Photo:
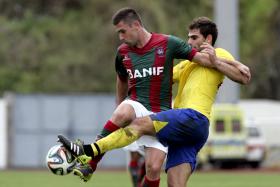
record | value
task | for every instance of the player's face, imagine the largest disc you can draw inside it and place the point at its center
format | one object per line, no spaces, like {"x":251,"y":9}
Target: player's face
{"x":128,"y":33}
{"x":195,"y":39}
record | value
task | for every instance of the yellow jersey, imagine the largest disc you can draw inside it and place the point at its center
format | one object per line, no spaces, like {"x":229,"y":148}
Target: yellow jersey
{"x":198,"y":85}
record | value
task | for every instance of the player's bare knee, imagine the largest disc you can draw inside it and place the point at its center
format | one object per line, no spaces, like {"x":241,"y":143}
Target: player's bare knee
{"x":123,"y":115}
{"x":153,"y":168}
{"x":153,"y":165}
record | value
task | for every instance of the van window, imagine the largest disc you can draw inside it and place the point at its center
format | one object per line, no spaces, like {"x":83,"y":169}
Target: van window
{"x":219,"y":126}
{"x":253,"y":132}
{"x":236,"y":126}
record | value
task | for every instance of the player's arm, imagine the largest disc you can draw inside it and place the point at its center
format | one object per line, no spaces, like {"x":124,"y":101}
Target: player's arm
{"x":122,"y":79}
{"x":203,"y":60}
{"x":234,"y":70}
{"x":234,"y":73}
{"x":183,"y":50}
{"x":243,"y":69}
{"x":121,"y":90}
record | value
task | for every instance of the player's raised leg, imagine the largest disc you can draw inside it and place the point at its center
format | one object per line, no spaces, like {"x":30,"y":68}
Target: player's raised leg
{"x":123,"y":114}
{"x":76,"y":149}
{"x":117,"y":139}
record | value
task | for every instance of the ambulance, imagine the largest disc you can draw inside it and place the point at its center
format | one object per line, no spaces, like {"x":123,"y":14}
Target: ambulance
{"x":226,"y":144}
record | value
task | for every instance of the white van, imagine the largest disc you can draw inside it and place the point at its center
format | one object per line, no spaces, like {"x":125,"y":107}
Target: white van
{"x":256,"y":146}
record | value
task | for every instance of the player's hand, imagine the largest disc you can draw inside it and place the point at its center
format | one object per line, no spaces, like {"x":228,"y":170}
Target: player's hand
{"x":210,"y":50}
{"x":245,"y":71}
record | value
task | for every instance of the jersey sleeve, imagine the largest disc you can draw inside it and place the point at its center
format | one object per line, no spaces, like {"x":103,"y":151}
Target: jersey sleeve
{"x":120,"y":69}
{"x":181,"y":49}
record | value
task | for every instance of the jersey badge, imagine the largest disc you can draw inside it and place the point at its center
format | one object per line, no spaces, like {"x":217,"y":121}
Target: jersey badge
{"x":160,"y":51}
{"x":126,"y":58}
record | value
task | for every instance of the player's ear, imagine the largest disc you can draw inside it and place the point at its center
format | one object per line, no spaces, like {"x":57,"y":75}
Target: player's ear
{"x":209,"y":39}
{"x":136,"y":23}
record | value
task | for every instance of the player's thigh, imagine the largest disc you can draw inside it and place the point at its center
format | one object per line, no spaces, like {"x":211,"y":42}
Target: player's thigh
{"x":135,"y":155}
{"x":127,"y":111}
{"x":178,"y":176}
{"x":139,"y":109}
{"x":144,"y":126}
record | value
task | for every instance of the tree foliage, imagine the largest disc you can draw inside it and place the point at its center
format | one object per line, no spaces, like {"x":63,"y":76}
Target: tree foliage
{"x":260,"y":46}
{"x":69,"y":45}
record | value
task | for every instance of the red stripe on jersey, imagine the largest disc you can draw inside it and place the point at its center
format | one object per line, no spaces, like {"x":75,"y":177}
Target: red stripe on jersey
{"x":191,"y":54}
{"x":156,"y":81}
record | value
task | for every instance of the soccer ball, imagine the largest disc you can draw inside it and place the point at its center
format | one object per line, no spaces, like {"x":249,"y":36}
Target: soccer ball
{"x":59,"y":160}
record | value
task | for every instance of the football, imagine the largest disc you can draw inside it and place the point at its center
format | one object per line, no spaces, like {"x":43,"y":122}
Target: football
{"x":59,"y":160}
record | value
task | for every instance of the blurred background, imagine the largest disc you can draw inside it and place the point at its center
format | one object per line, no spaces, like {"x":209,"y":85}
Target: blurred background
{"x":57,"y":75}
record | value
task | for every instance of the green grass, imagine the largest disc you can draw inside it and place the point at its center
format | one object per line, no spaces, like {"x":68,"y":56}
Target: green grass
{"x":235,"y":179}
{"x":25,"y":178}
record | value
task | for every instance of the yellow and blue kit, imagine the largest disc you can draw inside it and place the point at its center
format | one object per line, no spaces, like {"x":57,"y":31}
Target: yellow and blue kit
{"x":185,"y":128}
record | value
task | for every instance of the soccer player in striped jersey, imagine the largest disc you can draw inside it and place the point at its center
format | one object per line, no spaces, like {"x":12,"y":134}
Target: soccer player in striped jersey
{"x":145,"y":61}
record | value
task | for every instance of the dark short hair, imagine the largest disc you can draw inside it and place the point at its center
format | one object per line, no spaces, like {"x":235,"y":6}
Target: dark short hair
{"x":127,"y":15}
{"x":206,"y":26}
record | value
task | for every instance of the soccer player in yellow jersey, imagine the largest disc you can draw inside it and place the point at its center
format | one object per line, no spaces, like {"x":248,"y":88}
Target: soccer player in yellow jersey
{"x":197,"y":85}
{"x":185,"y":128}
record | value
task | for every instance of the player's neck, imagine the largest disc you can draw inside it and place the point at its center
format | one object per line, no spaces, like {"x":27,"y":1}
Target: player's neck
{"x":145,"y":37}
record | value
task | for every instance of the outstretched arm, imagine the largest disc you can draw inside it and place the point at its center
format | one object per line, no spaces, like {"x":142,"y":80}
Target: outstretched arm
{"x":234,"y":70}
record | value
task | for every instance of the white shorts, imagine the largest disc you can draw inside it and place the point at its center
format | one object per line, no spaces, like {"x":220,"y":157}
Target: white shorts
{"x":143,"y":141}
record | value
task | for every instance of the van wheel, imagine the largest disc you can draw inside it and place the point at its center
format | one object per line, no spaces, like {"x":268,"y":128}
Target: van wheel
{"x":255,"y":164}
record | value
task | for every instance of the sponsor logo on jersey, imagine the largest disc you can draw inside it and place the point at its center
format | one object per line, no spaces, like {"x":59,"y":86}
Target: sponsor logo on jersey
{"x":145,"y":72}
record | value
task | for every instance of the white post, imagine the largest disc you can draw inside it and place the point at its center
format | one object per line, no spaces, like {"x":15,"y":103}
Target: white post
{"x":3,"y":134}
{"x":226,"y":17}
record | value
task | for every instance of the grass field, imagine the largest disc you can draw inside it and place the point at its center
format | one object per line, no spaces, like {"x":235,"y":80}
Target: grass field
{"x":120,"y":179}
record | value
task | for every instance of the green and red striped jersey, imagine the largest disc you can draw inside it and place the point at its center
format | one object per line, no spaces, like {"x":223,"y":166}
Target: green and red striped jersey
{"x":149,"y":69}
